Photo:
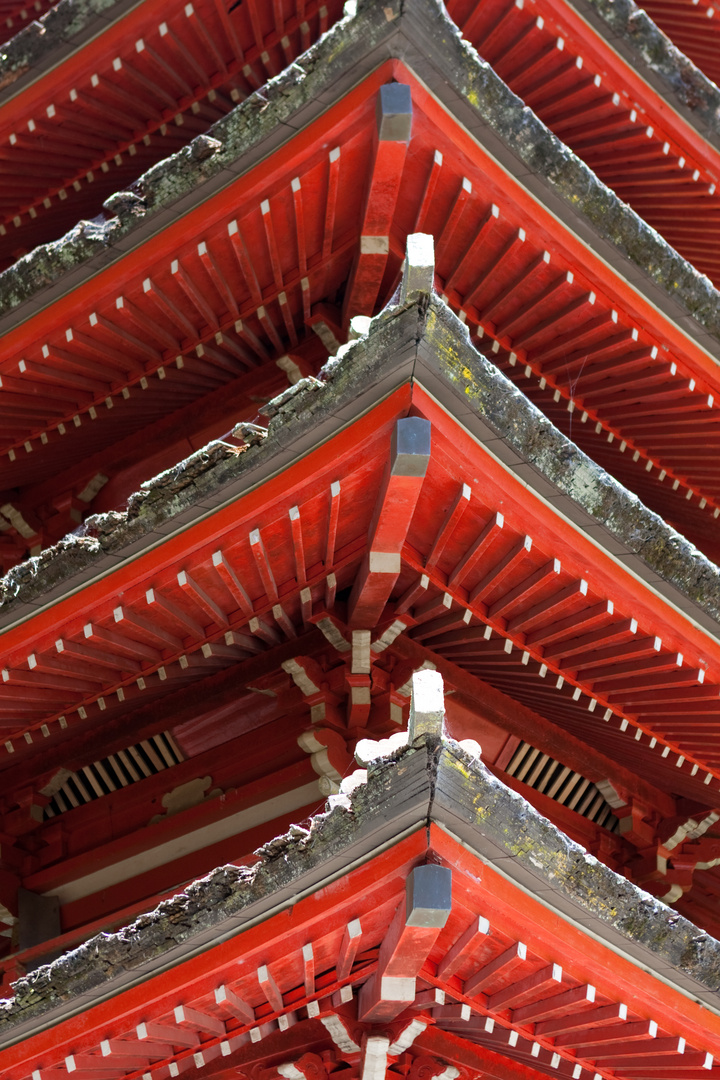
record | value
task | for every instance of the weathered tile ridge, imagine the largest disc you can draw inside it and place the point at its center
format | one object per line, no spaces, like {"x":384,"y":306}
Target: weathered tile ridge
{"x":482,"y":386}
{"x":266,"y":110}
{"x":40,"y":38}
{"x":454,"y":780}
{"x":234,"y":135}
{"x":692,"y":88}
{"x":528,"y":431}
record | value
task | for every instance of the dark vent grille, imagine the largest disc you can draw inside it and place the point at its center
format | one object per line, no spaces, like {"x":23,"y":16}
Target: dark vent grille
{"x":115,"y":771}
{"x":558,"y":782}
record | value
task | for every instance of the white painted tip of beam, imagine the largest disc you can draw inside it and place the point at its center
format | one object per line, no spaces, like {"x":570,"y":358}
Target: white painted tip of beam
{"x":407,"y":1037}
{"x":384,"y":562}
{"x":336,"y":1029}
{"x":265,"y":206}
{"x":592,"y":705}
{"x":653,"y":743}
{"x":559,"y":44}
{"x":334,"y":154}
{"x":375,"y":1057}
{"x":513,"y":1037}
{"x":62,"y":722}
{"x":9,"y":747}
{"x":508,"y":645}
{"x":638,"y":734}
{"x":623,"y":725}
{"x":374,"y":245}
{"x":577,"y":1072}
{"x":607,"y":714}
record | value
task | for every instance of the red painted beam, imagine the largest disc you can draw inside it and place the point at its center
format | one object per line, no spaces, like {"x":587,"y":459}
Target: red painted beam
{"x":394,"y":123}
{"x":405,"y":948}
{"x":394,"y":509}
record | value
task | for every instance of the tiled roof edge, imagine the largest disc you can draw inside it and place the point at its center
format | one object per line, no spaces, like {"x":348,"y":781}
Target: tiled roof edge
{"x":686,"y":82}
{"x":267,"y":111}
{"x":37,"y":41}
{"x":445,"y":784}
{"x":192,"y":484}
{"x":207,"y":156}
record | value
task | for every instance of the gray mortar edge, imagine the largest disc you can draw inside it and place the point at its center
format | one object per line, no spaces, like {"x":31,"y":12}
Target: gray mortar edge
{"x":432,"y":781}
{"x":640,"y":42}
{"x":46,"y":42}
{"x":247,"y":134}
{"x":431,"y":345}
{"x":320,"y":76}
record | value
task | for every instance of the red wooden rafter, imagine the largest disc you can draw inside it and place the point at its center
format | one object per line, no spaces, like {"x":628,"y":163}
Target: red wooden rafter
{"x":495,"y":996}
{"x":613,"y":119}
{"x":131,"y":97}
{"x":499,"y":274}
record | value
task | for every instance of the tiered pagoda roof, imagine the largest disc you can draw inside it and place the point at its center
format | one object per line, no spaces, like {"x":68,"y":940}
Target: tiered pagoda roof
{"x":419,"y":393}
{"x":283,"y":962}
